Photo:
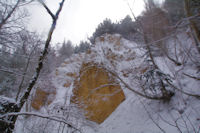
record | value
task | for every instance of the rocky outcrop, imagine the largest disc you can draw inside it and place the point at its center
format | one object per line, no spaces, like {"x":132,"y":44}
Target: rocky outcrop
{"x":44,"y":94}
{"x":42,"y":98}
{"x":84,"y":79}
{"x":96,"y":92}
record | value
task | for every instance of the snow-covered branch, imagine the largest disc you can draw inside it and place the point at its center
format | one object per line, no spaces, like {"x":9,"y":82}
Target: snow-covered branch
{"x":11,"y":72}
{"x":50,"y":117}
{"x":133,"y":90}
{"x":32,"y":83}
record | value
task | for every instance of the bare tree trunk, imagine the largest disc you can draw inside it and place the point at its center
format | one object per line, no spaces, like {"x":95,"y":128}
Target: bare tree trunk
{"x":166,"y":96}
{"x":196,"y":32}
{"x":23,"y":99}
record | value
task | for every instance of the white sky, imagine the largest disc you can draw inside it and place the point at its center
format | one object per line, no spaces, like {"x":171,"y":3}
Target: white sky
{"x":79,"y":18}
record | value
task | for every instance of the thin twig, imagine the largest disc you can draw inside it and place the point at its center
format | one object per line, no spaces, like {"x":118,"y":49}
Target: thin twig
{"x":152,"y":118}
{"x":54,"y":118}
{"x":193,"y":77}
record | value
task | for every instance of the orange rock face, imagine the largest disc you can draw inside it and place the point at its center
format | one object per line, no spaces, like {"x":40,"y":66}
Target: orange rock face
{"x":96,"y":92}
{"x":41,"y":98}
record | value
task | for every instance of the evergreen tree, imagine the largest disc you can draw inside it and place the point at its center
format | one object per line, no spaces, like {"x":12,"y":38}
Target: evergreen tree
{"x":83,"y":47}
{"x":127,"y":28}
{"x":66,"y":49}
{"x":105,"y":27}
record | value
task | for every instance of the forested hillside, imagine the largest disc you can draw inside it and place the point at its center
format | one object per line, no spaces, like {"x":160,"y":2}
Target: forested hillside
{"x":135,"y":75}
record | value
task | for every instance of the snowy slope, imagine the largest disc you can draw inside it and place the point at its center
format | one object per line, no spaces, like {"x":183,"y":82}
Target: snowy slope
{"x":136,"y":114}
{"x":181,"y":114}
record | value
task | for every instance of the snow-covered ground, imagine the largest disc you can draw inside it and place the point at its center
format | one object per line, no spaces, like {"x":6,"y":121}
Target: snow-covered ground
{"x":136,"y":114}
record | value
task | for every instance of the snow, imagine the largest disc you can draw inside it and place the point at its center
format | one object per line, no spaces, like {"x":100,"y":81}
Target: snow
{"x":62,"y":77}
{"x":4,"y":100}
{"x":136,"y":114}
{"x":140,"y":115}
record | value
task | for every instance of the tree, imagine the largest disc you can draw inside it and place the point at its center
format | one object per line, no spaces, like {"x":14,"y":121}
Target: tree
{"x":127,"y":28}
{"x":82,"y":47}
{"x":192,"y":8}
{"x":146,"y":29}
{"x":66,"y":49}
{"x":175,"y":10}
{"x":12,"y":46}
{"x":9,"y":126}
{"x":105,"y":27}
{"x":19,"y":61}
{"x":155,"y":22}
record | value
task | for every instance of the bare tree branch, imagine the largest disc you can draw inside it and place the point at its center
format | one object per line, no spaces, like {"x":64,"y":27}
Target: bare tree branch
{"x":9,"y":14}
{"x":152,"y":118}
{"x":186,"y":93}
{"x":24,"y":74}
{"x":24,"y":98}
{"x":193,"y":77}
{"x":133,"y":90}
{"x":48,"y":10}
{"x":41,"y":58}
{"x":11,"y":72}
{"x":54,"y":118}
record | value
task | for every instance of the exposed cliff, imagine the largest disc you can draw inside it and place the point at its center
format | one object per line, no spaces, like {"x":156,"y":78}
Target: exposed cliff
{"x":107,"y":85}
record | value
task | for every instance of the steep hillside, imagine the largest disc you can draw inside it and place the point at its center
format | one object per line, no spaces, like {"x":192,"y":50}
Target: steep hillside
{"x":114,"y":87}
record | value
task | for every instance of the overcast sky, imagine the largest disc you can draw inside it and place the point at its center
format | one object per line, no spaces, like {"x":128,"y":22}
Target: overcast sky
{"x":79,"y":18}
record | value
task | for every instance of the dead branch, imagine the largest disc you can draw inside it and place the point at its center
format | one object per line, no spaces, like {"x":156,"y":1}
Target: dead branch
{"x":4,"y":20}
{"x":152,"y":118}
{"x":186,"y":93}
{"x":54,"y":118}
{"x":25,"y":71}
{"x":133,"y":90}
{"x":193,"y":77}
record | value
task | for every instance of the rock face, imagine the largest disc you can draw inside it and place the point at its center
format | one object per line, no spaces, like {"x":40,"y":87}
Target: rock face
{"x":96,"y":92}
{"x":44,"y":94}
{"x":85,"y":78}
{"x":42,"y":98}
{"x":39,"y":99}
